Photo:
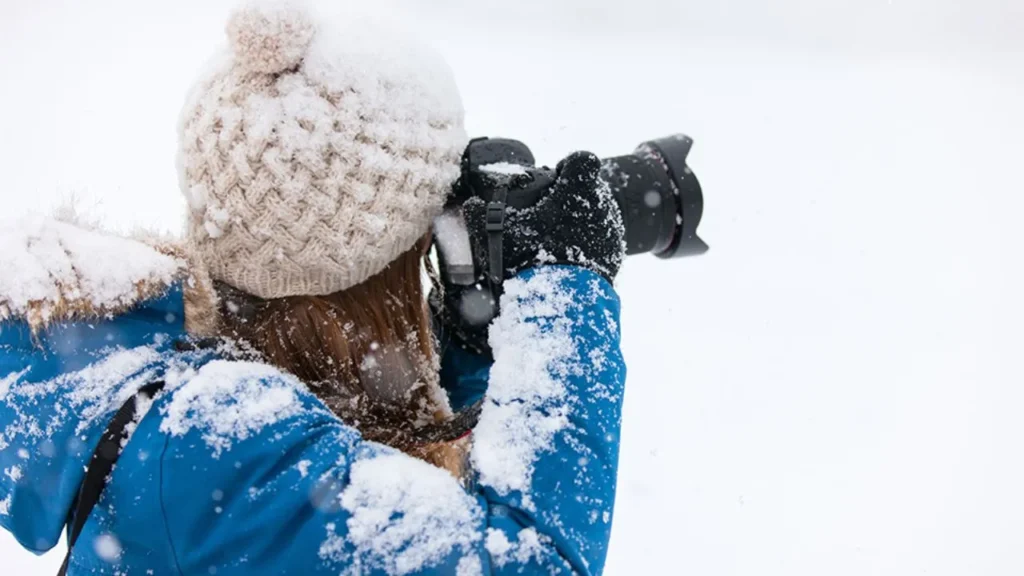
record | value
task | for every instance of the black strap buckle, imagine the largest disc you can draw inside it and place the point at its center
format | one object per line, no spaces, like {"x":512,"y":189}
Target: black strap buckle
{"x":495,"y":230}
{"x":495,"y":216}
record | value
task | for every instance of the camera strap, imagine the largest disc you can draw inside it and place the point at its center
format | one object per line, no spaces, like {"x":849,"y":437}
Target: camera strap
{"x":495,"y":231}
{"x":102,"y":464}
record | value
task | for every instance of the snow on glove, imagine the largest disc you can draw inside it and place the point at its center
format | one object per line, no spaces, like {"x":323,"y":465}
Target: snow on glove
{"x":576,"y":222}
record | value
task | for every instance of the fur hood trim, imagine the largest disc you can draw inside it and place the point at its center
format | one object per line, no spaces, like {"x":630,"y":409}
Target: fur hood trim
{"x":56,"y":271}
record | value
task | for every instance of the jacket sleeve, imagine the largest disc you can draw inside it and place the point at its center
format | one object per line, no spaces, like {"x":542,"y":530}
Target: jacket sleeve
{"x":304,"y":494}
{"x":546,"y":448}
{"x":58,"y":390}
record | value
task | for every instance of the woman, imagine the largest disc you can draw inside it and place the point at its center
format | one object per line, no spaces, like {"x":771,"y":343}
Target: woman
{"x":291,"y":413}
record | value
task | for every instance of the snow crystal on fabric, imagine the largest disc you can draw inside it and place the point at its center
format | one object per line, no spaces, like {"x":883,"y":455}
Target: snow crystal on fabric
{"x":497,"y":543}
{"x":229,"y":401}
{"x":52,"y":266}
{"x":98,"y":380}
{"x":14,"y":473}
{"x":529,"y":545}
{"x":469,"y":566}
{"x":7,"y":381}
{"x":527,"y":401}
{"x":406,"y":516}
{"x":91,"y":393}
{"x":5,"y":506}
{"x":143,"y":403}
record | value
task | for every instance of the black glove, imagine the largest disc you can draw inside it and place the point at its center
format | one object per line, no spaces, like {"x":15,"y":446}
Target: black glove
{"x":576,"y":221}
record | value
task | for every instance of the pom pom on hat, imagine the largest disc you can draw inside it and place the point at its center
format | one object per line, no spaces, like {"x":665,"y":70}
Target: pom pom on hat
{"x":272,"y":36}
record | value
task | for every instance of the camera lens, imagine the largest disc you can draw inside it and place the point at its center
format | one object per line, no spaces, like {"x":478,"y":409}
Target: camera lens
{"x":659,"y":197}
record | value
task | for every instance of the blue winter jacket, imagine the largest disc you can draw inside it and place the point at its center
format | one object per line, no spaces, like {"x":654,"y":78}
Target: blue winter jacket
{"x":236,"y":468}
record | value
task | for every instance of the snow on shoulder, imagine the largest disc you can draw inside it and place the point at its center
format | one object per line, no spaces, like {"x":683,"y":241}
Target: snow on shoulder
{"x":406,"y":516}
{"x":76,"y":400}
{"x":526,"y":403}
{"x":55,"y":270}
{"x":228,"y":401}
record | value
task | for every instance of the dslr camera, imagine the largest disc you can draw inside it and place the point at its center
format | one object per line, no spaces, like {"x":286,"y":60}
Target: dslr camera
{"x":657,"y":193}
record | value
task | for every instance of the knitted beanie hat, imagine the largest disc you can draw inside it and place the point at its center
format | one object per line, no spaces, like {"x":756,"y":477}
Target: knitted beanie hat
{"x":317,"y":148}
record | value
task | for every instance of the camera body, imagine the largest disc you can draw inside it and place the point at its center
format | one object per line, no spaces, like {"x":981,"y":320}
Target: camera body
{"x":657,"y":193}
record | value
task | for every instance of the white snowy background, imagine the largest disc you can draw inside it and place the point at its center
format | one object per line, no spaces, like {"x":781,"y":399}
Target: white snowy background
{"x":836,"y":388}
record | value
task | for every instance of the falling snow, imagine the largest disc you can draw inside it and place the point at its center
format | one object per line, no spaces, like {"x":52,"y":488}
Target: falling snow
{"x":107,"y":547}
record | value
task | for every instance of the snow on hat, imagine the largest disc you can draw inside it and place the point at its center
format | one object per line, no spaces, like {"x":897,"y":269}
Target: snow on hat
{"x":317,"y":149}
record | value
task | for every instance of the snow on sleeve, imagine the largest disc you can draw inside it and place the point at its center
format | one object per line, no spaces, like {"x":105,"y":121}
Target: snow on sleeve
{"x":406,"y":516}
{"x":527,"y":402}
{"x":7,"y":381}
{"x":469,"y":566}
{"x":5,"y":506}
{"x":14,"y":473}
{"x":529,"y":545}
{"x":98,"y":390}
{"x":56,"y":269}
{"x":86,"y":395}
{"x":228,"y":400}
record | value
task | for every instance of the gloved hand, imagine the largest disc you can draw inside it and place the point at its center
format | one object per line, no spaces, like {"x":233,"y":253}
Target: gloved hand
{"x":576,"y":222}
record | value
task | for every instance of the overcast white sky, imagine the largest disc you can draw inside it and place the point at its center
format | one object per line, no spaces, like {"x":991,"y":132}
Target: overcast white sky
{"x":879,"y":26}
